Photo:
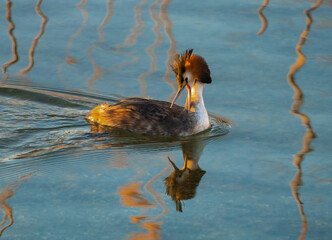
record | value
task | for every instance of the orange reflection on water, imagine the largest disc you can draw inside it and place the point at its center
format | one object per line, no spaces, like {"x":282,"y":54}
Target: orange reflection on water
{"x":151,"y":234}
{"x":131,"y":196}
{"x":107,"y":18}
{"x":35,"y":41}
{"x":5,"y":194}
{"x":262,"y":17}
{"x":98,"y":72}
{"x":155,"y":194}
{"x":70,"y":59}
{"x":13,"y":39}
{"x":172,"y":49}
{"x":150,"y":49}
{"x":135,"y":32}
{"x":295,"y":109}
{"x":85,"y":21}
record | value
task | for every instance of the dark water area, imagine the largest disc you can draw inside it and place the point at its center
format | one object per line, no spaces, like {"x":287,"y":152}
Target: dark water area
{"x":263,"y":170}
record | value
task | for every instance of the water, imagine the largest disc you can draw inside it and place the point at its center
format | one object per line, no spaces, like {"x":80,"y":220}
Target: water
{"x":264,"y":173}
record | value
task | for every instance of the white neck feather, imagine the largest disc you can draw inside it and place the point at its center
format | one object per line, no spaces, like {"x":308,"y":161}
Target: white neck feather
{"x":198,"y":107}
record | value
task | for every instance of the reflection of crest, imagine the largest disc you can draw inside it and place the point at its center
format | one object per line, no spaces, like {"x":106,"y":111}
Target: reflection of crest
{"x":183,"y":185}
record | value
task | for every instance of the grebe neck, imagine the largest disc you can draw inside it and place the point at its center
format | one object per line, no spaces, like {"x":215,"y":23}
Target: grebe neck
{"x":197,"y":106}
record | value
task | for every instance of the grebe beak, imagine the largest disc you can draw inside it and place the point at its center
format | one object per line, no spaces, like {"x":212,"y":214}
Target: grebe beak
{"x":178,"y":93}
{"x":173,"y":164}
{"x":185,"y":164}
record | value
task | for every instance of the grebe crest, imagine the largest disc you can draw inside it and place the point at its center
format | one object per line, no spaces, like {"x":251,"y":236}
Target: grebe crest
{"x":153,"y":117}
{"x":193,"y":63}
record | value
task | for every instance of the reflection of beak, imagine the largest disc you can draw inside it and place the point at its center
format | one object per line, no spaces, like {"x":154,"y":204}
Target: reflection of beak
{"x":185,"y":165}
{"x":178,"y":94}
{"x":173,"y":164}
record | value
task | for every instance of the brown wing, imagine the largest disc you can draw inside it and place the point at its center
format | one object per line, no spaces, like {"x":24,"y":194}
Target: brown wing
{"x":144,"y":116}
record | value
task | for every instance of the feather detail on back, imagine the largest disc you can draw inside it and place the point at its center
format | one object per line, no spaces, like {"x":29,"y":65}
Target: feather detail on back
{"x":144,"y":116}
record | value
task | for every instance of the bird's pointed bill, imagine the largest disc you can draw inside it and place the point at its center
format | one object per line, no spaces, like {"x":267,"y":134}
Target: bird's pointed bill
{"x":178,"y":94}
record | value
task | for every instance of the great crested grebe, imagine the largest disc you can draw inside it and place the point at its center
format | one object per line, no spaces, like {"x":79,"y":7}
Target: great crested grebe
{"x":153,"y":117}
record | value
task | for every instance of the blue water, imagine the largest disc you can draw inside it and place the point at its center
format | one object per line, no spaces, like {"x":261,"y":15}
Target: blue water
{"x":267,"y":158}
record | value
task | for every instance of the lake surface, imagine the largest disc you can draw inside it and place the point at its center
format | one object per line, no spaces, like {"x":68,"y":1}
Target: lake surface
{"x":265,"y":166}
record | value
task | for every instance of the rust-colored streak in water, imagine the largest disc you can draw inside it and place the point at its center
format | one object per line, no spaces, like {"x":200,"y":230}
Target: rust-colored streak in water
{"x":106,"y":20}
{"x":84,"y":23}
{"x":172,"y":49}
{"x":295,"y":109}
{"x":35,"y":41}
{"x":152,"y":227}
{"x":70,"y":59}
{"x":135,"y":32}
{"x":7,"y":193}
{"x":150,"y":49}
{"x":97,"y":70}
{"x":131,"y":196}
{"x":262,"y":17}
{"x":151,"y":234}
{"x":13,"y":39}
{"x":155,"y":194}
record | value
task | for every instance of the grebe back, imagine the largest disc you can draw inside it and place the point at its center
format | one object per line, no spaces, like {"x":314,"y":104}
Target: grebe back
{"x":154,"y":117}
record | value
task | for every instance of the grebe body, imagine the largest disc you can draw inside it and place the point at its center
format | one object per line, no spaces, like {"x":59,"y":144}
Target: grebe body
{"x":153,"y":117}
{"x":146,"y":116}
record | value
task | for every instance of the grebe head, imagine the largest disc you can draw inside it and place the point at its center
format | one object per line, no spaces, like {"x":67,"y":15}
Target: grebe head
{"x":188,"y":69}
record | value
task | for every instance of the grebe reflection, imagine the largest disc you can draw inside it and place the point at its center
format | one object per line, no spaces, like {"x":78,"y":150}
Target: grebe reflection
{"x":182,"y":183}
